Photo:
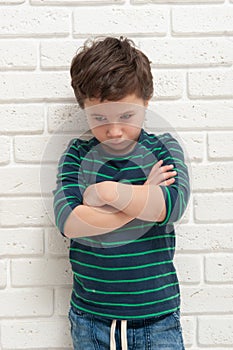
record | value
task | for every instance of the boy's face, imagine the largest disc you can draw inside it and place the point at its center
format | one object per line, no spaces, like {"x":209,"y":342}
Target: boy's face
{"x":116,"y":125}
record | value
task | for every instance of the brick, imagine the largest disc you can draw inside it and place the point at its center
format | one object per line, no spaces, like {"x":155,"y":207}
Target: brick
{"x":53,"y":333}
{"x":168,"y":85}
{"x":203,"y":299}
{"x":28,"y":180}
{"x":30,"y":87}
{"x":57,"y":244}
{"x":22,"y":119}
{"x":193,"y":146}
{"x":5,"y":146}
{"x":40,"y":148}
{"x":218,"y":268}
{"x":212,"y":177}
{"x":188,"y":329}
{"x":34,"y":22}
{"x":220,"y":146}
{"x":11,"y":2}
{"x":187,"y":52}
{"x":193,"y":115}
{"x":215,"y":330}
{"x":31,"y":272}
{"x":58,"y":54}
{"x":213,"y":208}
{"x":188,"y":268}
{"x":77,"y":2}
{"x":174,"y":1}
{"x":20,"y":55}
{"x":16,"y":241}
{"x":3,"y":274}
{"x":210,"y":83}
{"x":20,"y":180}
{"x":204,"y":237}
{"x":26,"y":302}
{"x":23,"y":212}
{"x":115,"y":20}
{"x":200,"y":20}
{"x":62,"y":301}
{"x":67,"y":118}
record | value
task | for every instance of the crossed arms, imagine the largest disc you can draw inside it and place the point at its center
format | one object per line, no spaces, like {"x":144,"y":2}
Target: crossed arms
{"x":109,"y":205}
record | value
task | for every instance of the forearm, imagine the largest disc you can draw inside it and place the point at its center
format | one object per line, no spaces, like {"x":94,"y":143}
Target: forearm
{"x":145,"y":202}
{"x":91,"y":221}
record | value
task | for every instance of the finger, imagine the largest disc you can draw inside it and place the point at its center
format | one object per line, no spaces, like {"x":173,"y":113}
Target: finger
{"x":157,"y":165}
{"x":167,"y":182}
{"x":166,"y":167}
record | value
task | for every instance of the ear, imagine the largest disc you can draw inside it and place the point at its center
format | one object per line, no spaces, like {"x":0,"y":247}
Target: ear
{"x":146,"y":102}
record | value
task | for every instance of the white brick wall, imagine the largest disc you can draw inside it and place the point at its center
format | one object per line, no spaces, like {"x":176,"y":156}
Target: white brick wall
{"x":190,"y":45}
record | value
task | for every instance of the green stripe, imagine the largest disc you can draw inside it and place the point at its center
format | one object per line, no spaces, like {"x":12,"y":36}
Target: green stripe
{"x":133,"y":179}
{"x":160,"y":153}
{"x":176,"y":150}
{"x":121,"y":268}
{"x":71,"y":155}
{"x":179,"y":190}
{"x":122,"y":255}
{"x":63,"y":199}
{"x":180,"y":171}
{"x":137,"y":167}
{"x":130,"y":241}
{"x":96,"y":173}
{"x":97,"y":161}
{"x":145,"y":291}
{"x":85,"y":143}
{"x":124,"y":281}
{"x":123,"y":316}
{"x":171,"y":142}
{"x":181,"y":208}
{"x":69,"y":172}
{"x":60,"y":211}
{"x":134,"y":227}
{"x":128,"y":305}
{"x":169,"y":207}
{"x":70,"y":163}
{"x":176,"y":160}
{"x":68,"y":186}
{"x":182,"y":181}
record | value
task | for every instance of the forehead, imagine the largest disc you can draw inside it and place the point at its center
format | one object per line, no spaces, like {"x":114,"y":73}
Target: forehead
{"x":128,"y":99}
{"x":112,"y":109}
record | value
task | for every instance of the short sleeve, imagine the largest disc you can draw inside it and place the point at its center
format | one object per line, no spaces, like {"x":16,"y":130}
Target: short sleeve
{"x":176,"y":195}
{"x":70,"y":185}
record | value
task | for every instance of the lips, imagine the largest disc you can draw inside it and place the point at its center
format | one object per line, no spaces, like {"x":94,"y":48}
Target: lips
{"x":116,"y":142}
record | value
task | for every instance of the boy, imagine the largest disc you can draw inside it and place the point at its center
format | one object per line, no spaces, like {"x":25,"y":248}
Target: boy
{"x":117,"y":198}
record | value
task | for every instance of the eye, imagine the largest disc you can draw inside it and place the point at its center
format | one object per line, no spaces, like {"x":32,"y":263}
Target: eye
{"x":126,"y":116}
{"x":100,"y":118}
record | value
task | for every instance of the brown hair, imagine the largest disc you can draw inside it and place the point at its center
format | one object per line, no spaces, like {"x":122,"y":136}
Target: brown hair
{"x":110,"y":69}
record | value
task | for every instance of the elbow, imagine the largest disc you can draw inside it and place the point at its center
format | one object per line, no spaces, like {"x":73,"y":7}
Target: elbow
{"x":163,"y":214}
{"x":71,"y":226}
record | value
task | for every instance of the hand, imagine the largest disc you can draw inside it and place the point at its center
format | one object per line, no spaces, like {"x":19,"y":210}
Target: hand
{"x":92,"y":195}
{"x":161,"y":175}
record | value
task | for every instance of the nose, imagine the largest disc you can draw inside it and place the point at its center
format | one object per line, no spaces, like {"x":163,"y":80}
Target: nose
{"x":114,"y":130}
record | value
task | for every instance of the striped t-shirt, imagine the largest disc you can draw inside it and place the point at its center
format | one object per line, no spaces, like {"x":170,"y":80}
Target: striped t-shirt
{"x":127,"y":273}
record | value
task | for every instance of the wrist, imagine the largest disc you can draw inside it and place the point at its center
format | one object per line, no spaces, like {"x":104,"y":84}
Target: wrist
{"x":108,"y":191}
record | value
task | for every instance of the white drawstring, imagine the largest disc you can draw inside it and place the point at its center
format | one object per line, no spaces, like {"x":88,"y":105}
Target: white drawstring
{"x":112,"y":336}
{"x":124,"y":345}
{"x":124,"y":335}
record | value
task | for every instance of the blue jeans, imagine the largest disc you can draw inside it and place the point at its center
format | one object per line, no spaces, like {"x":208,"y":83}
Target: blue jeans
{"x":90,"y":332}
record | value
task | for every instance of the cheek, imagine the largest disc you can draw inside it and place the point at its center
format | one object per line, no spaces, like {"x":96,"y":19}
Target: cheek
{"x":99,"y":132}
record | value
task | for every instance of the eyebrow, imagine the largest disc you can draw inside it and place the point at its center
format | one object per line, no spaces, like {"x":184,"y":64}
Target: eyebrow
{"x":102,"y":115}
